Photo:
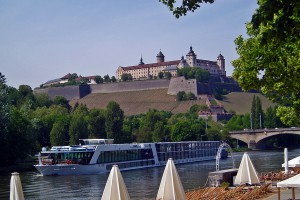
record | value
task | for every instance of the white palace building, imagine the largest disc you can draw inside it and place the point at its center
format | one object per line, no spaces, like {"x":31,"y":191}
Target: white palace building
{"x":145,"y":71}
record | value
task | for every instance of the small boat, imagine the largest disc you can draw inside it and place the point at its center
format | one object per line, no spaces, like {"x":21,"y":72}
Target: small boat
{"x":94,"y":156}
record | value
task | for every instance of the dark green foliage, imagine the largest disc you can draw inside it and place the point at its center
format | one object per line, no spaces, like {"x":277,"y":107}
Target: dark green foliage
{"x":184,"y":7}
{"x":188,"y":130}
{"x":78,"y":128}
{"x":114,"y":121}
{"x":167,"y":75}
{"x":113,"y":79}
{"x":62,"y":101}
{"x":73,"y":77}
{"x":43,"y":100}
{"x":181,"y":96}
{"x":59,"y":134}
{"x":269,"y":56}
{"x":196,"y":108}
{"x":2,"y":79}
{"x":257,"y":113}
{"x":98,"y":79}
{"x":160,"y":75}
{"x":126,"y":77}
{"x":96,"y":123}
{"x":106,"y":78}
{"x":194,"y":73}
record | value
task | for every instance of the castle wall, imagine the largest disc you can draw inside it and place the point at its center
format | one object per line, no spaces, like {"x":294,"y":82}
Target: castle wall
{"x":130,"y":86}
{"x":181,"y":84}
{"x":69,"y":92}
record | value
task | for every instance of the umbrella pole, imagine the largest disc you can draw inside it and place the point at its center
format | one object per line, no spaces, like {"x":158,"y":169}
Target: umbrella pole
{"x":293,"y":192}
{"x":278,"y":189}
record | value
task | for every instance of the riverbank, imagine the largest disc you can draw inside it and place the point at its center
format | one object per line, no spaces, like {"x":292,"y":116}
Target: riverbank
{"x":26,"y":166}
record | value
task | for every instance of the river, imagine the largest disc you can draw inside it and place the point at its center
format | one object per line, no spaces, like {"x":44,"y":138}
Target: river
{"x":141,"y":184}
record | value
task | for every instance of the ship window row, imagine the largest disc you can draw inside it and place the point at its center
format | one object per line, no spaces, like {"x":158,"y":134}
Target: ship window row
{"x":166,"y":147}
{"x":132,"y":164}
{"x":74,"y":157}
{"x":124,"y":155}
{"x":164,"y":156}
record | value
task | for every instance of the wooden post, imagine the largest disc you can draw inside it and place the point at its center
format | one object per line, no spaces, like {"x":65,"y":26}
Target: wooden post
{"x":278,"y":189}
{"x":293,"y":192}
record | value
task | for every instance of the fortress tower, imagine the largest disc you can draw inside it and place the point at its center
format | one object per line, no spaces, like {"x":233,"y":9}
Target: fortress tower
{"x":221,"y":64}
{"x":160,"y":57}
{"x":191,"y":57}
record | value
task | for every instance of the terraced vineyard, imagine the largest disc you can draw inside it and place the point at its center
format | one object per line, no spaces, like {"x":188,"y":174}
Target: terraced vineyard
{"x":136,"y":102}
{"x":241,"y":102}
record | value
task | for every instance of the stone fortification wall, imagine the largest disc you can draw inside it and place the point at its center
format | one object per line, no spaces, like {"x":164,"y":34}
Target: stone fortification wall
{"x":69,"y":92}
{"x":130,"y":86}
{"x":181,"y":84}
{"x":230,"y":87}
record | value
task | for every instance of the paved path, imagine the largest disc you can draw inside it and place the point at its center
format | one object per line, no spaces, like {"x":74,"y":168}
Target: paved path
{"x":284,"y":194}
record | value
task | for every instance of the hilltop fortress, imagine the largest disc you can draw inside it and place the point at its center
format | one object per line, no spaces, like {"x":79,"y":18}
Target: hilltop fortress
{"x":146,"y":71}
{"x":145,"y":77}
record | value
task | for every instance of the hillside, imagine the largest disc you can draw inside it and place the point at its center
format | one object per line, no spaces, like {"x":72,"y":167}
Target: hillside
{"x":241,"y":102}
{"x":136,"y":102}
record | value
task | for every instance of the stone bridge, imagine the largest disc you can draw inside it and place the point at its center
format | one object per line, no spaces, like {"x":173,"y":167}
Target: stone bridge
{"x":254,"y":137}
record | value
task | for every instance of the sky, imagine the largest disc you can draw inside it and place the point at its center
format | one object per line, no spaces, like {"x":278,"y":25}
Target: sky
{"x":45,"y":40}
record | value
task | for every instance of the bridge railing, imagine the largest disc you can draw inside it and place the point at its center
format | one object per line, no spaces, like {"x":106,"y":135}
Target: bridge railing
{"x":265,"y":130}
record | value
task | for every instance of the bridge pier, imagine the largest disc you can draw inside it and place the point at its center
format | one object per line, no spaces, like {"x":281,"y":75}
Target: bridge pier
{"x":256,"y":146}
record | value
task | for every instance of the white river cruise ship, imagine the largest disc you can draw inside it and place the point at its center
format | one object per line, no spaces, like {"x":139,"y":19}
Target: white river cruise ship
{"x":95,"y":156}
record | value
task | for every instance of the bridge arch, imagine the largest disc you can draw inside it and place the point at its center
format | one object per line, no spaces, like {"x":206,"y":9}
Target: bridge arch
{"x":254,"y":137}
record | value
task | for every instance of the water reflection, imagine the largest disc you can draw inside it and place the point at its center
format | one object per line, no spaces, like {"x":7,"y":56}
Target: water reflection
{"x":141,"y":184}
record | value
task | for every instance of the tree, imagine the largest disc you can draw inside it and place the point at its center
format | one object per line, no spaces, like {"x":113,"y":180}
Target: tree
{"x":194,"y":73}
{"x":96,"y":123}
{"x":113,"y":79}
{"x":73,"y":77}
{"x":2,"y":79}
{"x":98,"y":79}
{"x":59,"y":134}
{"x":60,"y":100}
{"x":270,"y":118}
{"x":256,"y":113}
{"x":126,"y":77}
{"x":114,"y":121}
{"x":187,"y":130}
{"x":160,"y":75}
{"x":106,"y":78}
{"x":181,"y":96}
{"x":269,"y":58}
{"x":187,"y":5}
{"x":43,"y":100}
{"x":168,"y":75}
{"x":78,"y":128}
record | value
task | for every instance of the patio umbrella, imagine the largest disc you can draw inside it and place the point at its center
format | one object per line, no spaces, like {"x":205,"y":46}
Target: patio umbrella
{"x":295,"y":162}
{"x":293,"y":182}
{"x":170,"y":186}
{"x":16,"y":191}
{"x":246,"y":173}
{"x":115,"y":188}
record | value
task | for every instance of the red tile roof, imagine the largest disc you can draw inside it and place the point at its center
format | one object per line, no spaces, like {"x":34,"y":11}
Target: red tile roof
{"x":174,"y":62}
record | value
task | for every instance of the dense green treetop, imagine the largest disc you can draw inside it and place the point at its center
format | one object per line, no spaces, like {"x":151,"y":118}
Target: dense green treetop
{"x":184,"y":7}
{"x":269,"y":59}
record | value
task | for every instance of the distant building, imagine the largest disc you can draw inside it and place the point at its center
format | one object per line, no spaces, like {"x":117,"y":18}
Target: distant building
{"x":61,"y":80}
{"x":146,"y":71}
{"x":65,"y":79}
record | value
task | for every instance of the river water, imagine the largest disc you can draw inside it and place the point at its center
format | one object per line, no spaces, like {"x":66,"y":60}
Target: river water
{"x":141,"y":184}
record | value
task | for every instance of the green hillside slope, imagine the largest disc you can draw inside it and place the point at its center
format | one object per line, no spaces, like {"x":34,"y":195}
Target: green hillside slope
{"x":241,"y":102}
{"x":136,"y":102}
